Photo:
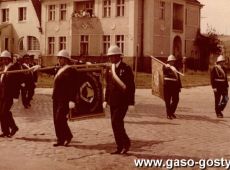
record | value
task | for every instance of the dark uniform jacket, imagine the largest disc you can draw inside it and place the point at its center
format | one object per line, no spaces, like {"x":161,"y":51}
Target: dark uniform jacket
{"x":115,"y":95}
{"x":218,"y":78}
{"x":10,"y":84}
{"x":65,"y":85}
{"x":171,"y":80}
{"x":35,"y":73}
{"x":28,"y":77}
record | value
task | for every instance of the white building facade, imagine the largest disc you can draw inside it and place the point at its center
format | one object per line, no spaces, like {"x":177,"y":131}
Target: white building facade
{"x":86,"y":28}
{"x":21,"y":32}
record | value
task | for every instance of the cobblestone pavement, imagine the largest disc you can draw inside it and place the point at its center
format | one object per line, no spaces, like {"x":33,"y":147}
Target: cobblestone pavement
{"x":195,"y":134}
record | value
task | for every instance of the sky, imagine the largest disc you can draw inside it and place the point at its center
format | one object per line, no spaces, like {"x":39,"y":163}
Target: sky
{"x":216,"y":14}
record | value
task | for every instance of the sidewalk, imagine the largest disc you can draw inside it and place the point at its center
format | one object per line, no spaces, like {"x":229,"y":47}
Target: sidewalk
{"x":195,"y":134}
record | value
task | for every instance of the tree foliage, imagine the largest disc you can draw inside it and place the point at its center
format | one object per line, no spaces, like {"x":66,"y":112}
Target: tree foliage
{"x":207,"y":44}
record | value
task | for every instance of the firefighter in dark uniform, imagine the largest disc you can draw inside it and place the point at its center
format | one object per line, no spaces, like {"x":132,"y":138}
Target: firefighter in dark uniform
{"x":172,"y":87}
{"x":27,"y":90}
{"x":9,"y":93}
{"x":35,"y":77}
{"x":64,"y":94}
{"x":120,"y":91}
{"x":220,"y":85}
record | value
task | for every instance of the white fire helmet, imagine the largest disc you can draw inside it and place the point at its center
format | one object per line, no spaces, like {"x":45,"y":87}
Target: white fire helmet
{"x":5,"y":54}
{"x":63,"y":53}
{"x":114,"y":50}
{"x":171,"y":58}
{"x":220,"y":58}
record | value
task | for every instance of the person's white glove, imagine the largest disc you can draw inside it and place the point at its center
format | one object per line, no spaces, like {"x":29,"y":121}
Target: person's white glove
{"x":131,"y":108}
{"x":71,"y":105}
{"x":104,"y":105}
{"x":23,"y":85}
{"x":35,"y":68}
{"x":214,"y":90}
{"x":15,"y":100}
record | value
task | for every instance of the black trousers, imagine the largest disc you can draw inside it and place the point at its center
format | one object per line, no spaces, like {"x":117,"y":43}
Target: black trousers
{"x":117,"y":119}
{"x":6,"y":117}
{"x":27,"y":95}
{"x":171,"y":98}
{"x":221,"y":100}
{"x":60,"y":111}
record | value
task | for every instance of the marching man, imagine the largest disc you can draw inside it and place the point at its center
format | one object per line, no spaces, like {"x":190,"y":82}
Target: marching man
{"x":172,"y":87}
{"x":120,"y":91}
{"x":220,"y":85}
{"x":27,"y":91}
{"x":9,"y":93}
{"x":64,"y":95}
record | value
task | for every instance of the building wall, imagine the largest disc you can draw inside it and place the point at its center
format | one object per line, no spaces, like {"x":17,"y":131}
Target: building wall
{"x":162,"y":30}
{"x":56,"y":28}
{"x":192,"y":26}
{"x":99,"y":26}
{"x":29,"y":27}
{"x":158,"y":34}
{"x":6,"y":32}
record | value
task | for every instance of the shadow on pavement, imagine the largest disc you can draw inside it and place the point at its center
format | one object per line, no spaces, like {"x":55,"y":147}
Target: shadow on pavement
{"x":136,"y":146}
{"x":150,"y":123}
{"x":36,"y":139}
{"x":150,"y":110}
{"x":200,"y":118}
{"x":40,"y":140}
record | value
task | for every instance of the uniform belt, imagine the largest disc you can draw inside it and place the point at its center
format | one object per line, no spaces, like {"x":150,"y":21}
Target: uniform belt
{"x":170,"y":79}
{"x":219,"y":79}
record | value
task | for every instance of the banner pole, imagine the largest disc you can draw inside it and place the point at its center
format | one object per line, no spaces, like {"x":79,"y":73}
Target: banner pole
{"x":79,"y":67}
{"x":154,"y":58}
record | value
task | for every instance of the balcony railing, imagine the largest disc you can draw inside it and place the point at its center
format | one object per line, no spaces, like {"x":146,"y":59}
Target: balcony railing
{"x":83,"y":13}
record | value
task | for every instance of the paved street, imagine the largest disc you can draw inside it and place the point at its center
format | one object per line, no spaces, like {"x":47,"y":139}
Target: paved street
{"x":196,"y":134}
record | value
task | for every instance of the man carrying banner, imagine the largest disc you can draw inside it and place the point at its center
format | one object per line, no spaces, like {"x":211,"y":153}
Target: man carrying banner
{"x":220,"y":85}
{"x":64,"y":94}
{"x":9,"y":93}
{"x":120,"y":93}
{"x":172,"y":87}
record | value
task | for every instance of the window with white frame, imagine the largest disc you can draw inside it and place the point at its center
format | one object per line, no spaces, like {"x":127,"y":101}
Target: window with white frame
{"x":51,"y":44}
{"x":162,"y":10}
{"x":5,"y":15}
{"x":120,"y":41}
{"x":106,"y":43}
{"x":51,"y":12}
{"x":84,"y":45}
{"x":120,"y":8}
{"x":22,"y":14}
{"x":63,"y":11}
{"x":106,"y":8}
{"x":21,"y":44}
{"x":33,"y":43}
{"x":62,"y":43}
